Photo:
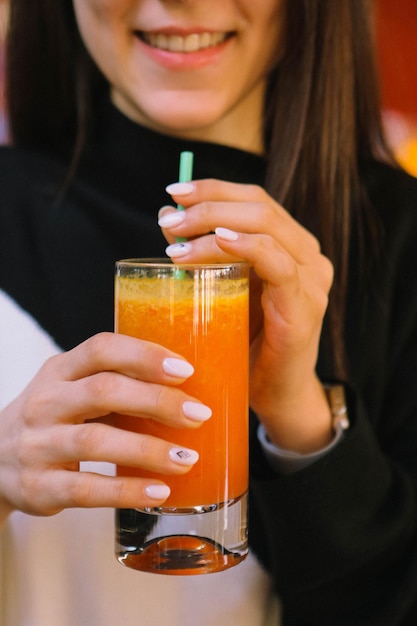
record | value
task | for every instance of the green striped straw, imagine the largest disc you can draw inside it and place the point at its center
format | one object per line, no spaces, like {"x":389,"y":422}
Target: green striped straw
{"x":185,"y":176}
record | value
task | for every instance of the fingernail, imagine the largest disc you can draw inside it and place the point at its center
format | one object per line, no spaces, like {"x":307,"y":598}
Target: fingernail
{"x":173,"y":219}
{"x":226,"y":234}
{"x":183,"y":456}
{"x":157,"y":492}
{"x":196,"y":411}
{"x":167,"y":207}
{"x":180,"y":189}
{"x":177,"y":367}
{"x":177,"y":250}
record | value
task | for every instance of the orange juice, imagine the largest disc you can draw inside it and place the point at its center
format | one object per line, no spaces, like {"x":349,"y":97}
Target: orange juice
{"x":205,"y":320}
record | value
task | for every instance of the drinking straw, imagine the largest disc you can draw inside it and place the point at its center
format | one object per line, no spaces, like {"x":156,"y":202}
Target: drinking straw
{"x":185,"y":176}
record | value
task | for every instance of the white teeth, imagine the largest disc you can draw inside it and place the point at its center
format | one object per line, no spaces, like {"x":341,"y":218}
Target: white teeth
{"x":189,"y":43}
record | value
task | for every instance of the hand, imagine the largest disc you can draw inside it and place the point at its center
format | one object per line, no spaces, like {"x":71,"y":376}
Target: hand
{"x":65,"y":416}
{"x":289,"y":295}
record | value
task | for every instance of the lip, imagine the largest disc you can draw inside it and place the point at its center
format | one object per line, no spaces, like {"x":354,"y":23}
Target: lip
{"x":184,"y":59}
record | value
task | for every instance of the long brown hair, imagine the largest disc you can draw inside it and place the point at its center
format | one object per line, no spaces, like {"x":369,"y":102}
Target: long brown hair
{"x":323,"y":119}
{"x":322,"y":114}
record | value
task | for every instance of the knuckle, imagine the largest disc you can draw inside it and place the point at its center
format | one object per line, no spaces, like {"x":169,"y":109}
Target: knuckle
{"x":144,"y":446}
{"x":116,"y":491}
{"x":97,"y":345}
{"x":288,"y":268}
{"x":319,"y":301}
{"x":87,"y":438}
{"x":146,"y":351}
{"x":167,"y":406}
{"x":267,"y":211}
{"x":162,"y":399}
{"x":259,"y":245}
{"x":255,"y":192}
{"x":50,"y":365}
{"x":207,"y":209}
{"x":32,"y":490}
{"x":87,"y":490}
{"x":25,"y":453}
{"x":35,"y":406}
{"x":79,"y":491}
{"x":160,"y":395}
{"x":327,"y":270}
{"x":102,"y":386}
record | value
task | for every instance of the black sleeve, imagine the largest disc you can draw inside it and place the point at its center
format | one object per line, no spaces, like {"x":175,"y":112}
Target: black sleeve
{"x":340,"y":536}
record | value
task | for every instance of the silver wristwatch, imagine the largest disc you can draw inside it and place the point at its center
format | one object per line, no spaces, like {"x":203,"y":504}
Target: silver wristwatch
{"x":337,"y":402}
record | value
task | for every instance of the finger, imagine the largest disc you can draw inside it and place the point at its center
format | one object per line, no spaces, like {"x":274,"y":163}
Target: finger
{"x":110,"y":392}
{"x":94,"y":490}
{"x":201,"y":250}
{"x":272,"y":262}
{"x":213,"y":189}
{"x":49,"y":492}
{"x":102,"y":443}
{"x":245,"y":208}
{"x":293,"y":293}
{"x":119,"y":353}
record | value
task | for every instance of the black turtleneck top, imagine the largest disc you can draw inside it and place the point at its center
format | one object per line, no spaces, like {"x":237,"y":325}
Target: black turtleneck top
{"x":339,"y":537}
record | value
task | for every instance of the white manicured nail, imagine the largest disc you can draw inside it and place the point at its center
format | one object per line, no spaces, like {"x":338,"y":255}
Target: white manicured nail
{"x":196,"y":411}
{"x":172,"y":219}
{"x":177,"y":250}
{"x":180,"y":189}
{"x":183,"y":456}
{"x":157,"y":492}
{"x":226,"y":234}
{"x":177,"y":368}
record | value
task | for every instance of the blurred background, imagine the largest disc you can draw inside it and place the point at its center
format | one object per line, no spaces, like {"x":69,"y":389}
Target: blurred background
{"x":396,"y":32}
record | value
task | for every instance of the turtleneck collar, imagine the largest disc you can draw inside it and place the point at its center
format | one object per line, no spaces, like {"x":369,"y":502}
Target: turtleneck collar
{"x":123,"y":155}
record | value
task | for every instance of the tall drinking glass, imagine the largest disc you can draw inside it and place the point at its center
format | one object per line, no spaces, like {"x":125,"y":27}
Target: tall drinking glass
{"x":201,"y":313}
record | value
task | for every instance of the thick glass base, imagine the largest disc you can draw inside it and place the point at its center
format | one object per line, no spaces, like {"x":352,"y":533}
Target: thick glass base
{"x":198,"y":540}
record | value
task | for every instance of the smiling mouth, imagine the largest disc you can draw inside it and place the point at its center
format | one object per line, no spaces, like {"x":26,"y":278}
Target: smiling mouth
{"x":187,"y":43}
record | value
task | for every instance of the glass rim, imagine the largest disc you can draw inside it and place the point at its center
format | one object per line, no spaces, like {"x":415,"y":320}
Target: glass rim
{"x":155,"y":262}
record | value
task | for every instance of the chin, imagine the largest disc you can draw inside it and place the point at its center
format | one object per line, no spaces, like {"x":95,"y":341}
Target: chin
{"x":174,"y":116}
{"x":192,"y":124}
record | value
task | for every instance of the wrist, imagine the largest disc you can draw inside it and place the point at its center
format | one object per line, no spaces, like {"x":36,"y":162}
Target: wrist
{"x":309,"y":422}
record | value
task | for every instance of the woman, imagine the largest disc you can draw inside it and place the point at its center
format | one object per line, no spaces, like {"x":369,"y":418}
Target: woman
{"x":279,"y":104}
